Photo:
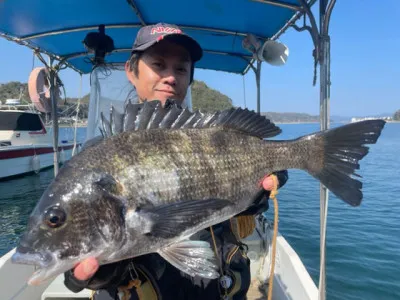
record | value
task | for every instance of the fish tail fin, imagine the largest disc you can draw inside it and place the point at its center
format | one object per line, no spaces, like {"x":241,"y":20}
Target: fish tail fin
{"x":342,"y":149}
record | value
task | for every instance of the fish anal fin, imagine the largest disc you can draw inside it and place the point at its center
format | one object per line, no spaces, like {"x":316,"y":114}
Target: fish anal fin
{"x":195,"y":258}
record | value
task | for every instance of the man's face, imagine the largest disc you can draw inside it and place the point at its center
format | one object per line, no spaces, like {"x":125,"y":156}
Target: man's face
{"x":164,"y":73}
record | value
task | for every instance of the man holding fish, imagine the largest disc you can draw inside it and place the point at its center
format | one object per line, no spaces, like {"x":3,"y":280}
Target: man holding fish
{"x":158,"y":207}
{"x":161,"y":67}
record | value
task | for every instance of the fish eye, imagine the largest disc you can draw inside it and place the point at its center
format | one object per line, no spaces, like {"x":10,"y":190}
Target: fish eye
{"x":55,"y":217}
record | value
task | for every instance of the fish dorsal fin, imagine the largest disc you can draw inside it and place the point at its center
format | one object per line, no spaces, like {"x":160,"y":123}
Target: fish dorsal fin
{"x":151,"y":115}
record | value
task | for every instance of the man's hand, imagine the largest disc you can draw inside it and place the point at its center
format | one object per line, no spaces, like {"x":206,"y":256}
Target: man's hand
{"x":86,"y":269}
{"x":268,"y":183}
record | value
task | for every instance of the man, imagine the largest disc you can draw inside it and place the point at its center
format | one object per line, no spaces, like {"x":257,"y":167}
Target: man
{"x":161,"y":67}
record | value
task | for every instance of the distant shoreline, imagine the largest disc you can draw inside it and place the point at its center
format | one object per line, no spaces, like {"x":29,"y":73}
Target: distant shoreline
{"x":287,"y":123}
{"x":69,"y":126}
{"x":278,"y":123}
{"x":344,"y":122}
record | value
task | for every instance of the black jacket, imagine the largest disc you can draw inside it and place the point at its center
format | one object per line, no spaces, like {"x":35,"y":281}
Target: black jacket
{"x":158,"y":277}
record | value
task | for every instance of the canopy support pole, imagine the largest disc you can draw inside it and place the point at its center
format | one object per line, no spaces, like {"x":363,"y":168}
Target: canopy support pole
{"x":53,"y":79}
{"x":54,"y":117}
{"x":137,"y":12}
{"x":280,"y":4}
{"x":325,"y":86}
{"x":258,"y":77}
{"x":321,"y":40}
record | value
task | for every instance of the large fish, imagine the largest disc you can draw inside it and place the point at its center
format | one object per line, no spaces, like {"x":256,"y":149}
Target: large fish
{"x":161,"y":174}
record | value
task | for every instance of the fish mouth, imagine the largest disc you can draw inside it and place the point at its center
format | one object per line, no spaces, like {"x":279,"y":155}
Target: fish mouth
{"x":43,"y":262}
{"x":28,"y":256}
{"x":47,"y":264}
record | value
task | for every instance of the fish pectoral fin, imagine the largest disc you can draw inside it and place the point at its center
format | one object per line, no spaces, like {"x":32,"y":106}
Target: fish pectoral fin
{"x":195,"y":258}
{"x":170,"y":220}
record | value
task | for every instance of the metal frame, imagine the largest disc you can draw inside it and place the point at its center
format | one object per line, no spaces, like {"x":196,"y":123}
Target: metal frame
{"x":52,"y":78}
{"x":302,"y":10}
{"x":136,"y":10}
{"x":280,"y":4}
{"x":126,"y":25}
{"x":25,"y":40}
{"x":79,"y":54}
{"x":37,"y":50}
{"x":325,"y":83}
{"x":54,"y":116}
{"x":321,"y":40}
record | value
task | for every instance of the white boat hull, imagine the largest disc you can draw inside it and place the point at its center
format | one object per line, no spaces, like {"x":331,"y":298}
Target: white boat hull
{"x":18,"y":160}
{"x":291,"y":279}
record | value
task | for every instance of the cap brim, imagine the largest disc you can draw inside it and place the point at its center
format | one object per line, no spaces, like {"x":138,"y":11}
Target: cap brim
{"x":194,"y":49}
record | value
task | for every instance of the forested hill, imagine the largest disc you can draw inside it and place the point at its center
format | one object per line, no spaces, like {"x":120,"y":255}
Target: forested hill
{"x":203,"y":97}
{"x":207,"y":99}
{"x":291,"y":117}
{"x":396,"y":115}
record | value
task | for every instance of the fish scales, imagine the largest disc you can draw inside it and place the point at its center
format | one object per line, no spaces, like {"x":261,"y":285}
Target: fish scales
{"x":207,"y":163}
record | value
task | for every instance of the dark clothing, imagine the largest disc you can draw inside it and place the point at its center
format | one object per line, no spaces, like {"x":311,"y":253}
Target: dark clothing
{"x":158,"y":277}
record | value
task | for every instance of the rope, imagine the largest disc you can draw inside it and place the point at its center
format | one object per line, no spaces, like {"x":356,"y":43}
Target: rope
{"x":216,"y":254}
{"x":33,"y":60}
{"x":77,"y":114}
{"x":215,"y":248}
{"x":273,"y":194}
{"x":244,"y":93}
{"x":323,"y":222}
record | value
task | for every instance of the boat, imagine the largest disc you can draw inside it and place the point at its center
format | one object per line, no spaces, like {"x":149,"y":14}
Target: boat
{"x":236,"y":38}
{"x":26,"y":144}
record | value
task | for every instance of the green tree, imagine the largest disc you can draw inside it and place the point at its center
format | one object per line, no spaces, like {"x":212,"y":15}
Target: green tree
{"x":208,"y":100}
{"x":396,"y":115}
{"x":14,"y":90}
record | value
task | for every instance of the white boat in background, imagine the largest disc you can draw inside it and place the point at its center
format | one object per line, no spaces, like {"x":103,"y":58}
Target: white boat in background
{"x":25,"y":144}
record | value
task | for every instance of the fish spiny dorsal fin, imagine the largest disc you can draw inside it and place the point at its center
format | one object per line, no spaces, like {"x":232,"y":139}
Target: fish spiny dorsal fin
{"x":151,"y":115}
{"x":171,"y":116}
{"x":130,"y":116}
{"x":182,"y":118}
{"x":105,"y":126}
{"x":117,"y":121}
{"x":146,"y":114}
{"x":248,"y":122}
{"x":193,"y":120}
{"x":206,"y":120}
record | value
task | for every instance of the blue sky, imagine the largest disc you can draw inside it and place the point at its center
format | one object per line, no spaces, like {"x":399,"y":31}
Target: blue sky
{"x":365,"y":66}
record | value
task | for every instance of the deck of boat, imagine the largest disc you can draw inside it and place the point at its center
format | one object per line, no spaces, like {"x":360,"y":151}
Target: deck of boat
{"x":257,"y":291}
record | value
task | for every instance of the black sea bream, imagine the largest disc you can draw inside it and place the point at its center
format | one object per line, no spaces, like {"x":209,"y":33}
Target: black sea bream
{"x":161,"y":174}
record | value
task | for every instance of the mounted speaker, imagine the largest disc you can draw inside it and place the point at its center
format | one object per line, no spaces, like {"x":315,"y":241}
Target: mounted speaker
{"x":100,"y":44}
{"x":274,"y":53}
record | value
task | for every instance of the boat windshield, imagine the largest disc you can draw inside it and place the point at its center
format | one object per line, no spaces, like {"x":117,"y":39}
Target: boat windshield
{"x":110,"y":87}
{"x":20,"y":121}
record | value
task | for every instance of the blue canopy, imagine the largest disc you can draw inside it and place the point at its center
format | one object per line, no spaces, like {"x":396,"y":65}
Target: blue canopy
{"x":57,"y":28}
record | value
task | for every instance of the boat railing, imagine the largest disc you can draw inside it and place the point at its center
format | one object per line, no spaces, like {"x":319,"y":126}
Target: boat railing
{"x":28,"y":107}
{"x":5,"y":143}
